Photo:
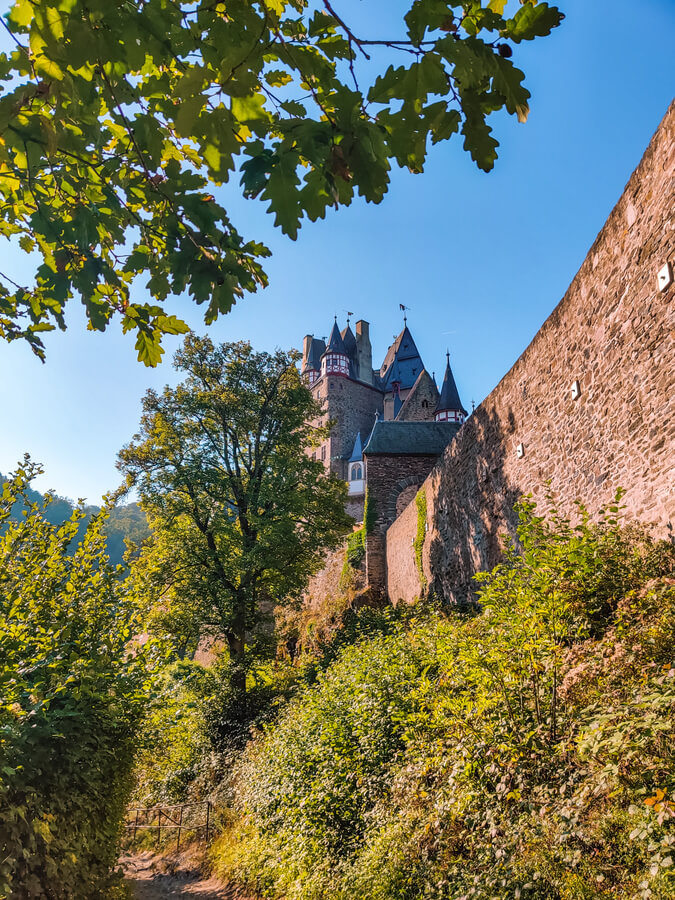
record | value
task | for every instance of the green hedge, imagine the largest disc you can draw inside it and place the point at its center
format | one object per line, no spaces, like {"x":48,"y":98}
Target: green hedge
{"x":70,"y":704}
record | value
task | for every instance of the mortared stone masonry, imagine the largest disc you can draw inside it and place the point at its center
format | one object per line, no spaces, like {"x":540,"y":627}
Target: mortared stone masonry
{"x":614,"y":334}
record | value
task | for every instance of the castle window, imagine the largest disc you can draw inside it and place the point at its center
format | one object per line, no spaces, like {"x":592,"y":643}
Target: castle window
{"x":425,"y":404}
{"x":335,"y":364}
{"x":323,"y":452}
{"x":356,"y":473}
{"x":450,"y":416}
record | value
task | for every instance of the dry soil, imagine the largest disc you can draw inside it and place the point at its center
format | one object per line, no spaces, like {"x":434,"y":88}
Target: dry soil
{"x":152,"y":877}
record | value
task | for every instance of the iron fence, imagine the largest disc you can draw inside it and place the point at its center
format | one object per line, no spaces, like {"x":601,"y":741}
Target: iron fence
{"x":192,"y":817}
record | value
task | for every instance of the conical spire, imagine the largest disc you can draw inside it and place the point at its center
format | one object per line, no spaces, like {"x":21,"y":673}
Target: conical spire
{"x":449,"y":405}
{"x":335,"y":360}
{"x":357,"y":452}
{"x":402,"y":363}
{"x":335,"y":342}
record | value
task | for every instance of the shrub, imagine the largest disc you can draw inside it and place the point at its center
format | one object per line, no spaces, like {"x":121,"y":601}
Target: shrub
{"x":70,"y":703}
{"x":525,"y":752}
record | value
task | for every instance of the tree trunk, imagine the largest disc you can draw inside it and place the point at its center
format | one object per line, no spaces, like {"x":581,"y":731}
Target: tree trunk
{"x":236,"y":640}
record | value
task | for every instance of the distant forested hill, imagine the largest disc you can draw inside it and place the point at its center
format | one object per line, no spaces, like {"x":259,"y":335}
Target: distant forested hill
{"x":125,"y":522}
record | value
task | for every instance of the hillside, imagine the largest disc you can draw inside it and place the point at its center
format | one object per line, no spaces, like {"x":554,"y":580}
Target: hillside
{"x":126,"y":523}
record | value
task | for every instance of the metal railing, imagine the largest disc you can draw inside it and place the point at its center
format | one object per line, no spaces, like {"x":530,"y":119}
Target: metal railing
{"x":172,"y":817}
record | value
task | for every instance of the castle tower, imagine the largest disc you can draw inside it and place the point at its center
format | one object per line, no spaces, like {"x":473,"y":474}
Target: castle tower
{"x":449,"y":407}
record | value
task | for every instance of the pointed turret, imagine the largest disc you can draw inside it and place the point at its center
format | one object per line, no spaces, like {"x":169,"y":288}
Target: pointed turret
{"x":449,"y":407}
{"x":335,"y":342}
{"x":335,"y":360}
{"x":357,"y":452}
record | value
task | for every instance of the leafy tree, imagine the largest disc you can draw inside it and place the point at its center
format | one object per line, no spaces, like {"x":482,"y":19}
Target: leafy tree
{"x":71,"y":701}
{"x":242,"y":513}
{"x":117,"y":119}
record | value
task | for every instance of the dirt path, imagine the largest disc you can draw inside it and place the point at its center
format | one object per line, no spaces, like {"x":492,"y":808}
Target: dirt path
{"x":152,"y":877}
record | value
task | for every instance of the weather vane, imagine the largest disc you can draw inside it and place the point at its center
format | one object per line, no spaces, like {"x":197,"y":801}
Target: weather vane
{"x":403,"y":310}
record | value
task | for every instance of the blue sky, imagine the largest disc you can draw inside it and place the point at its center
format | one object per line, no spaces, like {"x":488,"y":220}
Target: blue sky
{"x":481,"y":260}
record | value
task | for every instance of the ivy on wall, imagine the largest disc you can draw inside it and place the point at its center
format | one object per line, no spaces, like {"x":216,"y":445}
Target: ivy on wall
{"x":421,"y":504}
{"x":356,"y":547}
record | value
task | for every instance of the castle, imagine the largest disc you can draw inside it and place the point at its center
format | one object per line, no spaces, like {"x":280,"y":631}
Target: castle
{"x":587,"y":408}
{"x":396,"y":410}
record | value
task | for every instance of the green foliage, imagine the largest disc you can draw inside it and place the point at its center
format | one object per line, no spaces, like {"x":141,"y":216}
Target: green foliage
{"x":157,"y":103}
{"x":126,"y":529}
{"x":421,"y":504}
{"x":355,"y":553}
{"x":70,"y":703}
{"x":322,"y":767}
{"x":356,"y":547}
{"x":173,"y":739}
{"x":193,"y":731}
{"x":241,"y":513}
{"x":523,"y":752}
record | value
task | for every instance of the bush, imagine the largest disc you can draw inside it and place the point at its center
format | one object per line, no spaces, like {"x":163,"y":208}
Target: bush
{"x":70,"y":703}
{"x":312,"y":781}
{"x":525,"y":752}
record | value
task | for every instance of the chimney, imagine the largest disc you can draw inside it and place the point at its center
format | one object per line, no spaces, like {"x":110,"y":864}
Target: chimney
{"x":306,"y":347}
{"x":364,"y":351}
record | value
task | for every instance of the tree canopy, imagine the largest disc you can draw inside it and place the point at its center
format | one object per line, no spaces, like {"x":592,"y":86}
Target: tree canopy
{"x":118,"y":119}
{"x":241,"y":513}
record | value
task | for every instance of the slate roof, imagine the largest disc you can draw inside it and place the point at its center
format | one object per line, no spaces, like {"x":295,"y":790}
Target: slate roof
{"x":349,"y":341}
{"x":335,"y":342}
{"x":449,"y":399}
{"x":402,"y":363}
{"x":410,"y":438}
{"x":316,"y":350}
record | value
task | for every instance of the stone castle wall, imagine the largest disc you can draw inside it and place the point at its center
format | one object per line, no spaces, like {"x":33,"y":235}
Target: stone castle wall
{"x":388,"y":478}
{"x":614,"y":333}
{"x":403,"y":575}
{"x":421,"y":402}
{"x":352,"y":406}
